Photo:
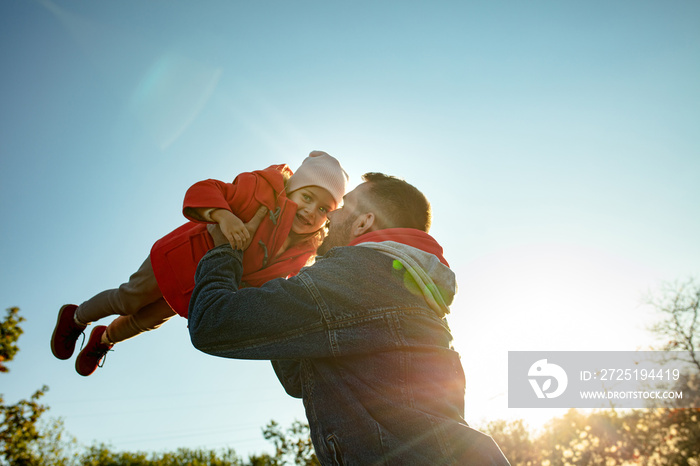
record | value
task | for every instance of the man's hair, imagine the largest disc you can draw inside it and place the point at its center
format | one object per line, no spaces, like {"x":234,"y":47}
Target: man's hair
{"x":399,"y":204}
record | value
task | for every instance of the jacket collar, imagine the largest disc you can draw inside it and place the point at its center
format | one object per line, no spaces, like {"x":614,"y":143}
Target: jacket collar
{"x":420,"y":256}
{"x":408,"y":236}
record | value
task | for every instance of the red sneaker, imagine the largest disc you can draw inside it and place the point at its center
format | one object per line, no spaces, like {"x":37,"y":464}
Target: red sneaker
{"x":66,"y":332}
{"x":92,"y":356}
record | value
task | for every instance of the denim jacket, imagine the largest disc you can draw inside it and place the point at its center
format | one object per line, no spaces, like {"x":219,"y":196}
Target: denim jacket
{"x":355,"y":338}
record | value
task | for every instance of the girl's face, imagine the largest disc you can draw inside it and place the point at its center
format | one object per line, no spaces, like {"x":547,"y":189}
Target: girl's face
{"x":313,"y":203}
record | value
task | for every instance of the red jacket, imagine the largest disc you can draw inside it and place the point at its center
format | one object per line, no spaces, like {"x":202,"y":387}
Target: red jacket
{"x":175,"y":256}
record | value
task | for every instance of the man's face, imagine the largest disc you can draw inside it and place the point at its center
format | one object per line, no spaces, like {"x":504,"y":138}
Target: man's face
{"x":340,"y":221}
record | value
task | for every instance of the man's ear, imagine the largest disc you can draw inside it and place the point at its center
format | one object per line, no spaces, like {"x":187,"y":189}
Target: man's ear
{"x":364,"y":223}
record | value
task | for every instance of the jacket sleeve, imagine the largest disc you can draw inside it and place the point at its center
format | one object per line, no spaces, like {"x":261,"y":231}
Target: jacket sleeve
{"x":288,"y":372}
{"x":279,"y":320}
{"x":207,"y":194}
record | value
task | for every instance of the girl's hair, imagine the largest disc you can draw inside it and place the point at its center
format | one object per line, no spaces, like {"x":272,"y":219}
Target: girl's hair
{"x":315,"y":239}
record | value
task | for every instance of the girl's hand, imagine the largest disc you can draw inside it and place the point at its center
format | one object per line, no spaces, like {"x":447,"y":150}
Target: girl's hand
{"x":232,"y":228}
{"x":238,"y":234}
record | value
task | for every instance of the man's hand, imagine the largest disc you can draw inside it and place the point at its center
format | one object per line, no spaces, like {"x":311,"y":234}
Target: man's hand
{"x":232,"y":230}
{"x":254,"y":223}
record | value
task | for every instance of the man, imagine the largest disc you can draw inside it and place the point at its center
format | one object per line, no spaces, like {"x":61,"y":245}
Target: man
{"x":360,"y":336}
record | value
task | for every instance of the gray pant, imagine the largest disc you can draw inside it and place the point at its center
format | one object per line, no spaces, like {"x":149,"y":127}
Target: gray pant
{"x":138,"y":302}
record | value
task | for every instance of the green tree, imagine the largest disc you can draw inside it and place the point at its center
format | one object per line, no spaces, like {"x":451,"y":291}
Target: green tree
{"x":18,"y":429}
{"x":292,"y":446}
{"x":18,"y":422}
{"x":55,"y":447}
{"x":10,"y":332}
{"x":649,"y":437}
{"x":25,"y":437}
{"x":515,"y":440}
{"x":101,"y":455}
{"x":679,"y":322}
{"x":676,"y":429}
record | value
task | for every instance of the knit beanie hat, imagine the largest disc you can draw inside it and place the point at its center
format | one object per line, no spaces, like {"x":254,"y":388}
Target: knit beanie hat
{"x":320,"y":169}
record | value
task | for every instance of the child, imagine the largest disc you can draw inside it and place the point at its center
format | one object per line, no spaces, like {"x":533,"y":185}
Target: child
{"x":294,"y":206}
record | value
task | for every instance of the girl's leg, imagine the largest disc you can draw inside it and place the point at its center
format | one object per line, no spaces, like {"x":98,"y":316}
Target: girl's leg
{"x":132,"y":296}
{"x":102,"y":338}
{"x":147,"y":318}
{"x":141,"y":307}
{"x":140,"y":291}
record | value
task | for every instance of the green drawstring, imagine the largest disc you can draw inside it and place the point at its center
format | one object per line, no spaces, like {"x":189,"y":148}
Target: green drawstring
{"x":265,"y":251}
{"x":274,"y":215}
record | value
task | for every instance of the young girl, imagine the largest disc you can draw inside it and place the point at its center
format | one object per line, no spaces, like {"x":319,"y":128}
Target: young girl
{"x":294,"y":206}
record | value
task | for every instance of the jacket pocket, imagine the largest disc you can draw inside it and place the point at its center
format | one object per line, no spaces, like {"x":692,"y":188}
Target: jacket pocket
{"x":333,"y":447}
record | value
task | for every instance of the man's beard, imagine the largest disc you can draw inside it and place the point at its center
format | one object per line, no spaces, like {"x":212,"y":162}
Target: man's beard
{"x":338,"y":235}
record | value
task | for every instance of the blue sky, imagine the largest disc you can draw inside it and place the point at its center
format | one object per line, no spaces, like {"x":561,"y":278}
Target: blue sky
{"x":557,"y":142}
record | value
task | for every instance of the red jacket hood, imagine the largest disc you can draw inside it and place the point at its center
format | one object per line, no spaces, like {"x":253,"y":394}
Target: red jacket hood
{"x":271,"y":174}
{"x":408,"y":236}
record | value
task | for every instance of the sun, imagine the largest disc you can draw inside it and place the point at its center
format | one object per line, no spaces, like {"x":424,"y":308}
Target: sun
{"x":546,"y":297}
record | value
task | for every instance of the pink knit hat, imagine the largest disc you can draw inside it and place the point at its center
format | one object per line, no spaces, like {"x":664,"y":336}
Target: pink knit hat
{"x":320,"y":169}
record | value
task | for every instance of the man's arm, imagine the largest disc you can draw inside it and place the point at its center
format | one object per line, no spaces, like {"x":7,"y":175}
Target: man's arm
{"x":279,"y":320}
{"x":288,"y":372}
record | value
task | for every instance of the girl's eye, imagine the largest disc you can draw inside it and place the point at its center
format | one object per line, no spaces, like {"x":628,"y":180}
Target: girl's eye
{"x":323,"y":209}
{"x":306,"y":197}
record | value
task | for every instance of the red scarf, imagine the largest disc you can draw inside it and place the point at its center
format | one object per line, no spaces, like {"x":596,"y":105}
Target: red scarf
{"x":408,"y":236}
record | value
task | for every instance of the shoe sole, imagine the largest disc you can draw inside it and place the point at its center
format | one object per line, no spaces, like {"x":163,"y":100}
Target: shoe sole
{"x":87,"y":345}
{"x":53,"y":335}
